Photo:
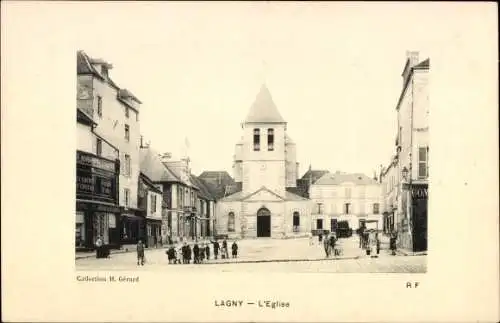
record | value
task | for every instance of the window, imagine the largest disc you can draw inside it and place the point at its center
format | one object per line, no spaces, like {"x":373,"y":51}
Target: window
{"x":126,"y":195}
{"x":230,"y":222}
{"x":320,"y":208}
{"x":376,"y":207}
{"x":296,"y":221}
{"x":127,"y":112}
{"x":423,"y":169}
{"x":127,"y":171}
{"x":256,"y":139}
{"x":127,"y":132}
{"x":99,"y":106}
{"x":153,"y":203}
{"x":99,"y":147}
{"x":270,"y":139}
{"x":319,"y":224}
{"x":347,"y":208}
{"x":137,"y":116}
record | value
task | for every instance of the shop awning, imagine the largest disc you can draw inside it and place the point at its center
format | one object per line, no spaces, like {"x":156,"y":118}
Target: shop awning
{"x":132,"y":216}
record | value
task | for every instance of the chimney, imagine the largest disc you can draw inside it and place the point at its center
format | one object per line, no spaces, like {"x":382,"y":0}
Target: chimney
{"x":413,"y":57}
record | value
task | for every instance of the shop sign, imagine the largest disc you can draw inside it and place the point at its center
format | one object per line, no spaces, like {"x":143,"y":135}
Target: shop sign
{"x":96,"y":179}
{"x":419,"y":191}
{"x":94,"y":207}
{"x":87,"y":159}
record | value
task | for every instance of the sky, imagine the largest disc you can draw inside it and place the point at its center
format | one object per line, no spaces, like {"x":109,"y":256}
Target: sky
{"x":333,"y":69}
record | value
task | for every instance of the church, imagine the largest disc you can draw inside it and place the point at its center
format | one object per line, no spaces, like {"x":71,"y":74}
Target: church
{"x":265,"y":170}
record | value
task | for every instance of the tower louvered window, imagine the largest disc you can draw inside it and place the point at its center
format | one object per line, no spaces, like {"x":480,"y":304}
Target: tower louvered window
{"x":256,"y":139}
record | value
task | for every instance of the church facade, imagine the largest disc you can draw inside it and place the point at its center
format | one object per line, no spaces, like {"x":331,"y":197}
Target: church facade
{"x":265,"y":170}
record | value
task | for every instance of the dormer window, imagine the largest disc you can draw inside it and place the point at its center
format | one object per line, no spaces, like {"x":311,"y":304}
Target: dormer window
{"x":270,"y":139}
{"x":256,"y":139}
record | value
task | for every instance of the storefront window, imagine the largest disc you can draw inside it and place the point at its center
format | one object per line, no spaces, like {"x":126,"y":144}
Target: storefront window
{"x":80,"y":230}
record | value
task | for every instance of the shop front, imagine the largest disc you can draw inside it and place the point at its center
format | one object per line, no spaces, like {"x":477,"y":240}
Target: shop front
{"x":153,"y":231}
{"x":97,"y":213}
{"x":413,"y":228}
{"x":133,"y":227}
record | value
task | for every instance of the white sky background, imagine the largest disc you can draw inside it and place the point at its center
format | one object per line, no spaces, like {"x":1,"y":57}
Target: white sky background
{"x":334,"y":71}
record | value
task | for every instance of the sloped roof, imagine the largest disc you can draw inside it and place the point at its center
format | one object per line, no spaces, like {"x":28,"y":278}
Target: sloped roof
{"x":339,"y":178}
{"x":300,"y":190}
{"x":314,"y":175}
{"x":124,"y":93}
{"x":204,"y":192}
{"x":237,"y":196}
{"x":425,"y":64}
{"x":176,"y":171}
{"x":219,"y":183}
{"x":152,"y":167}
{"x":289,"y":140}
{"x":263,"y":109}
{"x":84,"y":66}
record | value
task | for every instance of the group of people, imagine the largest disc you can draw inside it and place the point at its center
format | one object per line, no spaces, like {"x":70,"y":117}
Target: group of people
{"x":369,"y":241}
{"x":184,"y":254}
{"x":330,"y":244}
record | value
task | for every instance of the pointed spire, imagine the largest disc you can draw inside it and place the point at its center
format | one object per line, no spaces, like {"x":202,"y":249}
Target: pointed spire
{"x":263,"y":109}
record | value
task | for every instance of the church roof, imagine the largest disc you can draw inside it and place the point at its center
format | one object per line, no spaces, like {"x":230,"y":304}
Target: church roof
{"x":219,"y":183}
{"x":339,"y":178}
{"x":263,"y":109}
{"x":204,"y":192}
{"x":239,"y":196}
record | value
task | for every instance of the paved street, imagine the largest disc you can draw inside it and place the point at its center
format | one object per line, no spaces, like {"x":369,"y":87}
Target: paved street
{"x":293,"y":255}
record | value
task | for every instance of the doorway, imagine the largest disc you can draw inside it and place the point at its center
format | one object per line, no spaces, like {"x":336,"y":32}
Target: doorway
{"x":263,"y":223}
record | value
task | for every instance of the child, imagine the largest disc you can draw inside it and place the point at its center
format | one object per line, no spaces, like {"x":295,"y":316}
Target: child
{"x":234,"y":247}
{"x":140,"y":253}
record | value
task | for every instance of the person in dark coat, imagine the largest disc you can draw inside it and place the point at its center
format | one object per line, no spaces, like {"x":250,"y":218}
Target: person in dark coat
{"x":188,"y":254}
{"x":234,"y":248}
{"x":171,"y":254}
{"x":184,"y":253}
{"x":202,"y":253}
{"x":196,"y":252}
{"x":320,"y":236}
{"x":216,"y":248}
{"x":207,"y":251}
{"x":98,"y":246}
{"x":224,"y":247}
{"x":393,"y":243}
{"x":140,"y":253}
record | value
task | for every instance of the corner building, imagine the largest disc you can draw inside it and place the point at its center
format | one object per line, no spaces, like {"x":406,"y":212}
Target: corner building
{"x":266,"y":169}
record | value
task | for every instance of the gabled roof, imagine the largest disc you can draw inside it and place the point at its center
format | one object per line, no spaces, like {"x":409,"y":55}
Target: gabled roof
{"x":239,"y":196}
{"x":339,"y":178}
{"x":152,"y":167}
{"x":263,"y":109}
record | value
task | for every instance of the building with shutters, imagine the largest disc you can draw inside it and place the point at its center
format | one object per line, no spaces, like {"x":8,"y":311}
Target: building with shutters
{"x":262,"y":202}
{"x":114,"y":114}
{"x":412,"y":154}
{"x":348,"y":198}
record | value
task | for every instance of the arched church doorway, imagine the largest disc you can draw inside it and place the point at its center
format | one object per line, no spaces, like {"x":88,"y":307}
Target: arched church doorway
{"x":263,"y":223}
